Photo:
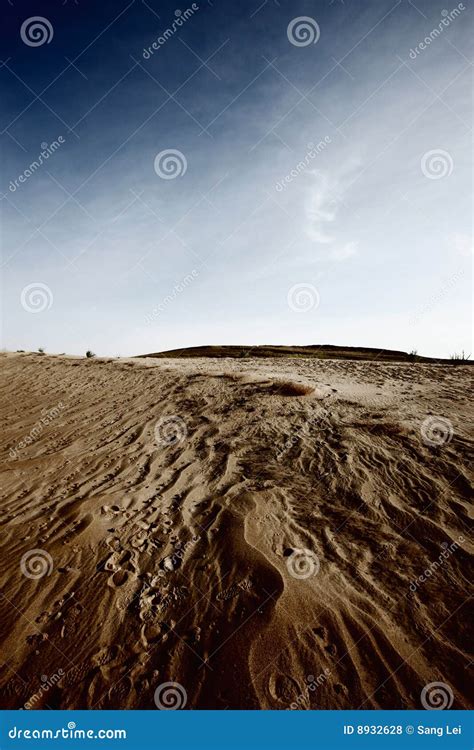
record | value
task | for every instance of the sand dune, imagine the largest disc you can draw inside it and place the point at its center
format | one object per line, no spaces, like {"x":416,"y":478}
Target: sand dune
{"x":257,"y":531}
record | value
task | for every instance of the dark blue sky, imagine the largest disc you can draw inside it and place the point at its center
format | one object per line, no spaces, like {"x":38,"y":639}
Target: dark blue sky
{"x":373,"y":225}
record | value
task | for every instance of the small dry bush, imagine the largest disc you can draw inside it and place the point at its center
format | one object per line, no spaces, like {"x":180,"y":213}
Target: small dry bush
{"x":289,"y":388}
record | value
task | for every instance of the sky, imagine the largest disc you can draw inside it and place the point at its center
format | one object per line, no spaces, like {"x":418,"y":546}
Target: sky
{"x":259,"y":172}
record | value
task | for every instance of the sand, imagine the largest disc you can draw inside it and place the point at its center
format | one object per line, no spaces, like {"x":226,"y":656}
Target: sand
{"x":268,"y":534}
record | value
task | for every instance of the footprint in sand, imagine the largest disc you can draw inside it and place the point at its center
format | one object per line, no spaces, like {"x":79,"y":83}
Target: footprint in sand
{"x":322,"y":635}
{"x":118,"y":579}
{"x":283,"y":688}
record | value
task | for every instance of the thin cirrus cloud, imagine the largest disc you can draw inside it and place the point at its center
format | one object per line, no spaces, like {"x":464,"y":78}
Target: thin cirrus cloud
{"x":346,"y":251}
{"x":324,"y":204}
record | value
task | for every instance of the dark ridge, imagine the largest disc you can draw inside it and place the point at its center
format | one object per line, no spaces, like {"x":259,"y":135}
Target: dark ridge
{"x":326,"y":351}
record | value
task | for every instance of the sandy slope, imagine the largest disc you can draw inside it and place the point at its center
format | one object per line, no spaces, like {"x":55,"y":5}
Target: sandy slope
{"x":174,"y":560}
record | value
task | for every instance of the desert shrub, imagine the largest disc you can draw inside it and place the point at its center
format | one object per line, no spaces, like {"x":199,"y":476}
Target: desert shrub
{"x":459,"y":358}
{"x":289,"y":388}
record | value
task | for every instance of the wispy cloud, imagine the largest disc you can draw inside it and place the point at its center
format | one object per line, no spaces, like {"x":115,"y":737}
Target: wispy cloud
{"x":346,"y":251}
{"x":324,"y":205}
{"x":321,"y":209}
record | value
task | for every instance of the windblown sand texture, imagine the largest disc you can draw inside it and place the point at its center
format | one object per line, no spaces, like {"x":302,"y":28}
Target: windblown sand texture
{"x":172,"y":541}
